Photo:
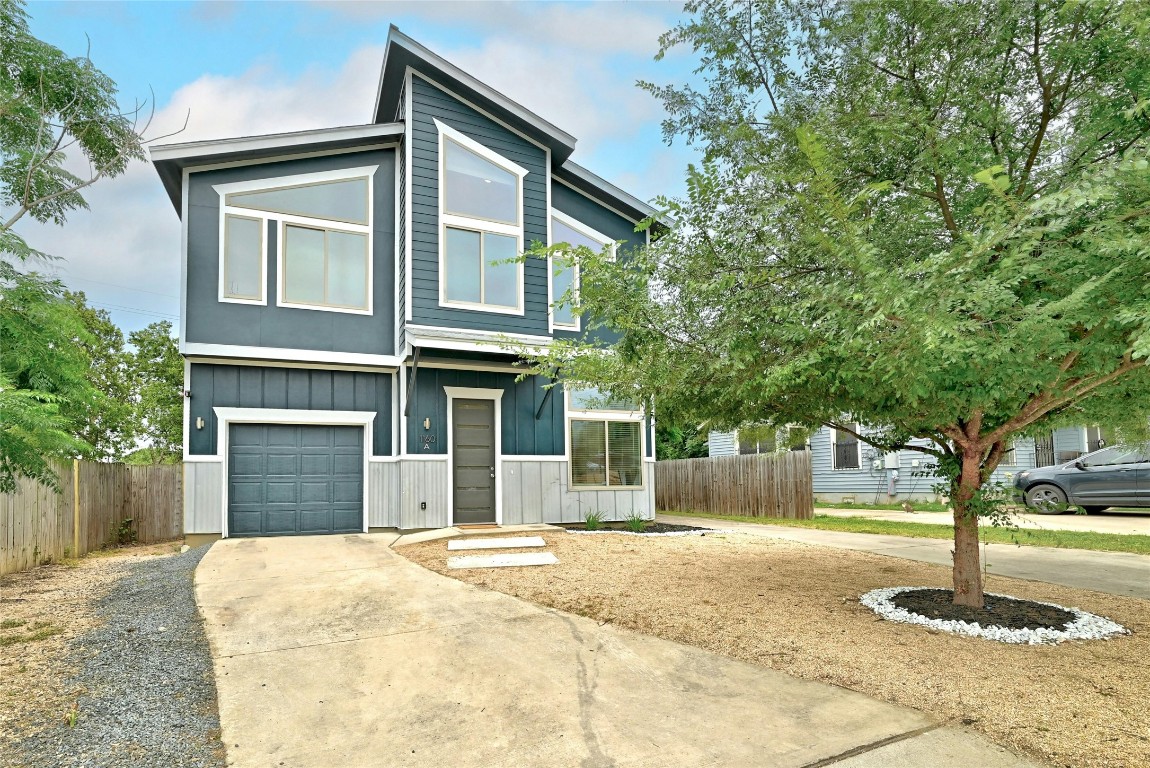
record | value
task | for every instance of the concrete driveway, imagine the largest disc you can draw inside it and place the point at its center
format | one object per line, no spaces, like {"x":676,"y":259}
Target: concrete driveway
{"x":336,"y":651}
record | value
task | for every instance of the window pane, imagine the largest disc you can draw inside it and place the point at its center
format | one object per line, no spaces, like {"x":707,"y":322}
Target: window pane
{"x":478,"y":187}
{"x":339,"y":200}
{"x":347,"y":269}
{"x":591,"y":399}
{"x":303,"y":265}
{"x":561,"y":233}
{"x":243,"y":258}
{"x":500,"y":281}
{"x":562,"y":281}
{"x":588,"y":444}
{"x":462,"y":266}
{"x":625,"y":460}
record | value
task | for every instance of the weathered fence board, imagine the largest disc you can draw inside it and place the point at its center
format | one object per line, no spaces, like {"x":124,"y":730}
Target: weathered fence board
{"x":37,"y":524}
{"x":763,"y":485}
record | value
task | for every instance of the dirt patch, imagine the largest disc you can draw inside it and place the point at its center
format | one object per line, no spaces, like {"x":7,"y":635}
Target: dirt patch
{"x":996,"y":611}
{"x":794,"y":608}
{"x":41,"y":612}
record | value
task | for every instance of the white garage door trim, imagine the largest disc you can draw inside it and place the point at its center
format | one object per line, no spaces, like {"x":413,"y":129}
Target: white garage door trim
{"x":225,"y":417}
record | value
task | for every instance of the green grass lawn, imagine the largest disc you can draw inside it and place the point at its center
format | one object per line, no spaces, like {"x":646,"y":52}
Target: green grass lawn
{"x":1100,"y":542}
{"x":919,"y":506}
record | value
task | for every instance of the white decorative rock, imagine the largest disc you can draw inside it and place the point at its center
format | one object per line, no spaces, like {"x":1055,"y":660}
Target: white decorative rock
{"x":1087,"y":626}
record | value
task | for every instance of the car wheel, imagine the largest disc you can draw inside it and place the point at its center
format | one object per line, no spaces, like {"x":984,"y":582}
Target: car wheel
{"x":1094,"y":510}
{"x":1046,"y":499}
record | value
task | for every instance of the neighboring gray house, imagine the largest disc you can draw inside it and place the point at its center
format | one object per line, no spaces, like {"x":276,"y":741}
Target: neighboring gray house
{"x":842,"y":467}
{"x":346,"y":298}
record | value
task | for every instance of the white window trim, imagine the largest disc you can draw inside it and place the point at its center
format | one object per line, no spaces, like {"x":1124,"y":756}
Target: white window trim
{"x":476,"y":224}
{"x":474,"y":393}
{"x":637,"y":416}
{"x":834,"y":454}
{"x":281,"y":255}
{"x":225,"y":417}
{"x":263,"y":257}
{"x":296,"y":180}
{"x":595,"y":235}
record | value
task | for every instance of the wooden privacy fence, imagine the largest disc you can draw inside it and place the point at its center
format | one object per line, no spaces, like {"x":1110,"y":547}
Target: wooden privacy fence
{"x":39,"y":525}
{"x":763,"y":485}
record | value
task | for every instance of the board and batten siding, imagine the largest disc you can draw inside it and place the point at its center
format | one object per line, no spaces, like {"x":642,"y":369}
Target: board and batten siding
{"x":540,"y":492}
{"x":311,"y":389}
{"x":429,"y":103}
{"x":522,"y":433}
{"x":203,"y":496}
{"x":211,"y":321}
{"x":423,"y":482}
{"x":383,"y":494}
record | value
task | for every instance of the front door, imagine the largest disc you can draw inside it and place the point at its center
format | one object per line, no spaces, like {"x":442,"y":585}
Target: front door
{"x":473,"y":461}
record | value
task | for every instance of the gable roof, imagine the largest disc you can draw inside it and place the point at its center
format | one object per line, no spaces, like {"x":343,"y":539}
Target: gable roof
{"x":402,"y":52}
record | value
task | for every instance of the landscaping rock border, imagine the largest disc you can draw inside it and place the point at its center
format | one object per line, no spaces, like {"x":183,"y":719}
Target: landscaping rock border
{"x":1087,"y":626}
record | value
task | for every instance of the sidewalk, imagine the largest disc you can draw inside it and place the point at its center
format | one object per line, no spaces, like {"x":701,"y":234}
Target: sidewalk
{"x":1119,"y":573}
{"x":1121,"y":521}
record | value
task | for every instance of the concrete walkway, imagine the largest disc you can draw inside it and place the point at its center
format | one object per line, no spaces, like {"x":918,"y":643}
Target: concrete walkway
{"x":335,"y":650}
{"x":1119,"y":573}
{"x":1122,"y":521}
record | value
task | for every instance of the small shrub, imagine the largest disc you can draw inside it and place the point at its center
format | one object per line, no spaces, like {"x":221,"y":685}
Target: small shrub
{"x":593,"y":520}
{"x":636,"y":524}
{"x":125,"y":534}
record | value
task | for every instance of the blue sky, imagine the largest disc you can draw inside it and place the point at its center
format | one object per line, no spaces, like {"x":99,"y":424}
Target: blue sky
{"x":244,"y":68}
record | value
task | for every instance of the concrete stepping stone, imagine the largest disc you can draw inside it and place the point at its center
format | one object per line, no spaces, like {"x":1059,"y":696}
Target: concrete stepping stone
{"x":494,"y":543}
{"x":511,"y":560}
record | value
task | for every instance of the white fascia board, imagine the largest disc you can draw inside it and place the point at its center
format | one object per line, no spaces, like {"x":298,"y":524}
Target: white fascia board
{"x":442,"y":64}
{"x":265,"y":142}
{"x":243,"y":353}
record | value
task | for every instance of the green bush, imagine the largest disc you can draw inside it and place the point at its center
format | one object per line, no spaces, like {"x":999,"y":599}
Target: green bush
{"x":594,"y":520}
{"x":636,"y":524}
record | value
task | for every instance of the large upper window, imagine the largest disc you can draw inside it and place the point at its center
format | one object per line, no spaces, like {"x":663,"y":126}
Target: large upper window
{"x":564,"y":288}
{"x":606,"y":441}
{"x":481,"y":226}
{"x":322,"y":224}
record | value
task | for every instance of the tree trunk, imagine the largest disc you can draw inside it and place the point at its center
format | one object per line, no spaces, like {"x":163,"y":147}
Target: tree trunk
{"x":967,"y":568}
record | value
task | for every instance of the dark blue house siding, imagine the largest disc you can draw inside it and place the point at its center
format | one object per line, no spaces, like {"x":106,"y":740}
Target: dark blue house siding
{"x":210,"y":321}
{"x":601,"y":219}
{"x":522,"y":433}
{"x":240,"y":386}
{"x":428,"y":104}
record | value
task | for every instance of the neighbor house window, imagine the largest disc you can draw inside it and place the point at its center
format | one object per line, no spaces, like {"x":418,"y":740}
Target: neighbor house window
{"x":847,"y":452}
{"x":564,"y":287}
{"x":481,"y":226}
{"x":606,"y":441}
{"x":322,"y":224}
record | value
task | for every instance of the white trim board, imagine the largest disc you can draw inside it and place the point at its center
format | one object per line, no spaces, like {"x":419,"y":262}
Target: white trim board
{"x":184,"y":150}
{"x":475,"y":393}
{"x":249,"y":355}
{"x":225,"y":417}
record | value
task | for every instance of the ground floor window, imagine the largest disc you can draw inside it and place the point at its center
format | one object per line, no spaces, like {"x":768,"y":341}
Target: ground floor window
{"x":847,"y":454}
{"x":606,"y":453}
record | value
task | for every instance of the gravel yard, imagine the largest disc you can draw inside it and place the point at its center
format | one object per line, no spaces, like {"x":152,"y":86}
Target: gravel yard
{"x":794,"y":607}
{"x":118,"y":673}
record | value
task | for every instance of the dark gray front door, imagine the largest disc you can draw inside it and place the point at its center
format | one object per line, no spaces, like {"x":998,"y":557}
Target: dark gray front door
{"x":473,"y":461}
{"x":292,"y":479}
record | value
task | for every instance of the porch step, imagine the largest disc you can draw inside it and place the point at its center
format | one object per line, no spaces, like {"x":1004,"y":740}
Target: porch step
{"x":511,"y":560}
{"x":494,"y":543}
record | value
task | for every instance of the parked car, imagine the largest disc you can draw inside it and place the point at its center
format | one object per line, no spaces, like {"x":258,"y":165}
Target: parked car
{"x":1117,"y":476}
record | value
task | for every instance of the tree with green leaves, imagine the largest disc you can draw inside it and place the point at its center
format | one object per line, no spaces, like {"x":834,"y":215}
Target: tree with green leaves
{"x":931,"y":219}
{"x":110,"y":426}
{"x":52,"y":107}
{"x":158,"y":371}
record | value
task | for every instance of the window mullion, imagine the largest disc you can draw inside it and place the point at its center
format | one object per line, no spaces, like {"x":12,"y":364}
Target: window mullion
{"x":606,"y":454}
{"x":482,"y":276}
{"x":326,"y":298}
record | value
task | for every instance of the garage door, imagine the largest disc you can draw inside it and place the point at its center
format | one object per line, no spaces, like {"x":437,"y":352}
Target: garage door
{"x":287,"y":479}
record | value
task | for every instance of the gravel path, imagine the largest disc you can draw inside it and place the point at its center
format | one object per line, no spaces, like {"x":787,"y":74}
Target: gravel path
{"x":149,"y":695}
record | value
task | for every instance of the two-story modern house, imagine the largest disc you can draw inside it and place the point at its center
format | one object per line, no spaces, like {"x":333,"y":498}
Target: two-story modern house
{"x":348,"y":300}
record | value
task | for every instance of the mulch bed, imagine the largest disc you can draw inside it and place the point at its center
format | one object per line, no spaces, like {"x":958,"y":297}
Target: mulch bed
{"x":649,"y":528}
{"x":997,"y":611}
